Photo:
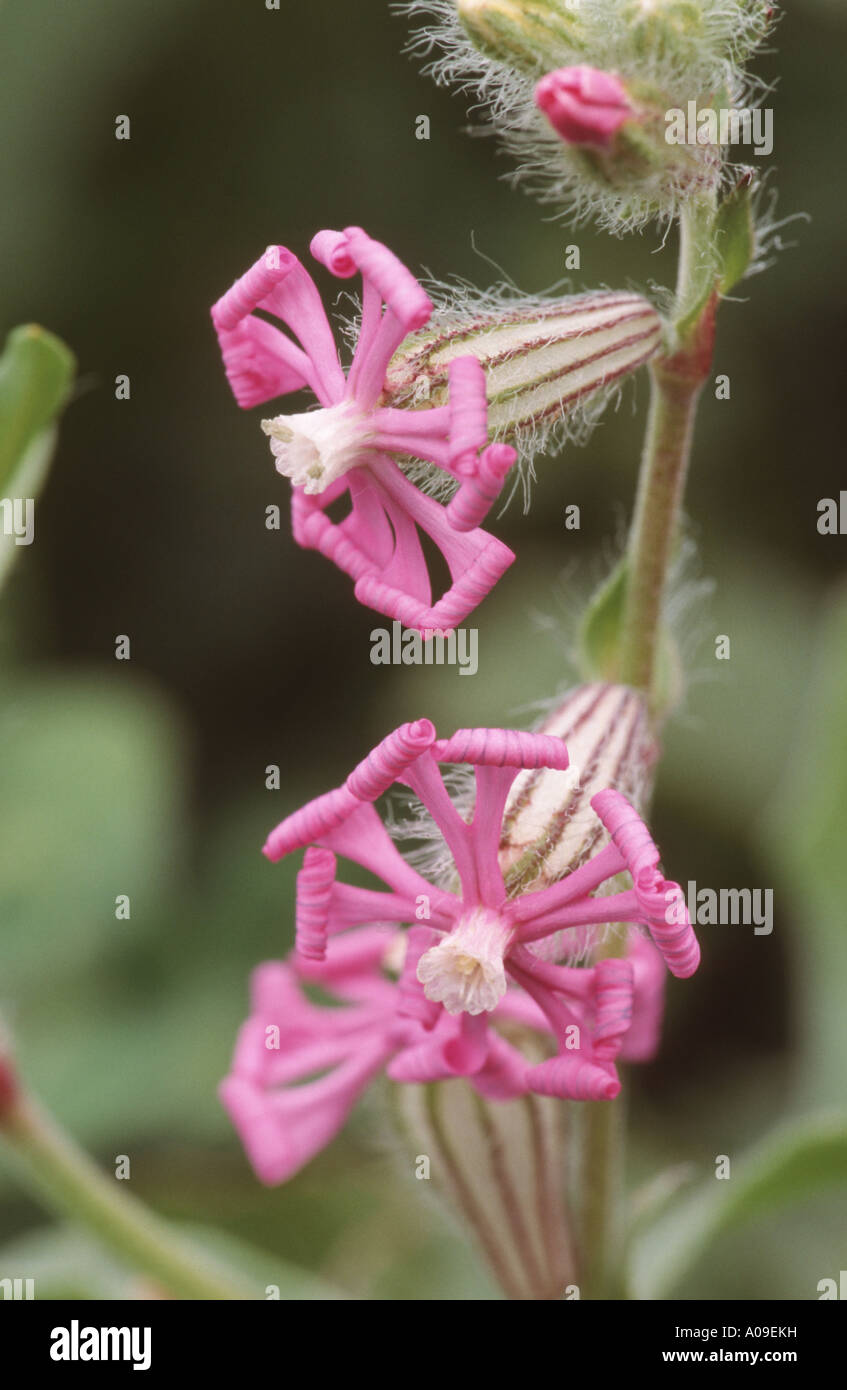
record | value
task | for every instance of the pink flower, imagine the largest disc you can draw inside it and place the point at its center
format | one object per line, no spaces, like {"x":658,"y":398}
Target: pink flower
{"x":299,"y":1067}
{"x":479,"y":941}
{"x":346,"y":446}
{"x":584,"y":105}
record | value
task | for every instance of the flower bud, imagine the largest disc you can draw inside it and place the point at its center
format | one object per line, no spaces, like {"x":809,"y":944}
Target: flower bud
{"x":528,"y":35}
{"x":541,"y":360}
{"x":549,"y":828}
{"x":616,"y":137}
{"x":583,"y":105}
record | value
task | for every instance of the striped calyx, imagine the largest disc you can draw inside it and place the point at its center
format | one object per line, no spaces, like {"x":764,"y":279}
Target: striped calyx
{"x":549,"y":828}
{"x":541,"y":360}
{"x":525,"y":34}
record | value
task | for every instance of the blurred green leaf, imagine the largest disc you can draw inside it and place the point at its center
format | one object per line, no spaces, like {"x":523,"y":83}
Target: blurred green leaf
{"x":788,"y":1167}
{"x":266,"y":1272}
{"x":804,"y":834}
{"x":90,"y":808}
{"x":36,"y":370}
{"x":65,"y":1263}
{"x":724,"y":757}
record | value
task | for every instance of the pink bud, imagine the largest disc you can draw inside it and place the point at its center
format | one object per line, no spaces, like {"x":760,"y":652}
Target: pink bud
{"x":584,"y":105}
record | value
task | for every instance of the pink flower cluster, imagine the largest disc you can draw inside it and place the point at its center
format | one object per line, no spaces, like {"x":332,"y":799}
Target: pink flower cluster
{"x":426,"y":1003}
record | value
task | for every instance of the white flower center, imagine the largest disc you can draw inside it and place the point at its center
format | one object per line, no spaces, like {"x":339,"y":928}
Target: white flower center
{"x":465,"y":971}
{"x":319,"y":446}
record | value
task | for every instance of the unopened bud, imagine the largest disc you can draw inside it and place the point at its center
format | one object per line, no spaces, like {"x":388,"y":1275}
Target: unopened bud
{"x":541,"y":360}
{"x":583,"y":105}
{"x":620,"y":131}
{"x":529,"y":35}
{"x":549,"y":828}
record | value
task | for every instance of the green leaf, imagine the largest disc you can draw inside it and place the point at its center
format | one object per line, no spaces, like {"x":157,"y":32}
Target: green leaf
{"x":36,"y":371}
{"x":788,"y":1167}
{"x":735,"y":236}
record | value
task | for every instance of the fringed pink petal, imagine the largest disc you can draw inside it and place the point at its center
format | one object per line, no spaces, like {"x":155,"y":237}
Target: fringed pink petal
{"x":278,"y":284}
{"x":544,"y":902}
{"x":398,"y":287}
{"x":333,"y":251}
{"x":504,"y":1076}
{"x":366,"y":782}
{"x":460,"y":1048}
{"x":412,"y":1003}
{"x":408,"y":307}
{"x":314,"y":890}
{"x":475,"y":560}
{"x":661,"y":902}
{"x":386,"y":561}
{"x":282,"y":1130}
{"x":352,"y":906}
{"x":665,"y":914}
{"x":426,"y":781}
{"x":354,"y":956}
{"x":261,"y":363}
{"x":612,"y":907}
{"x":254,"y":287}
{"x":478,"y":493}
{"x":571,"y":1077}
{"x":389,"y":760}
{"x":613,"y":1004}
{"x":502,"y":748}
{"x":650,"y":973}
{"x":313,"y":821}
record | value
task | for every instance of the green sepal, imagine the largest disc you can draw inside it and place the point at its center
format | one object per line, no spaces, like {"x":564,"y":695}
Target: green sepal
{"x":599,"y":642}
{"x":735,"y":237}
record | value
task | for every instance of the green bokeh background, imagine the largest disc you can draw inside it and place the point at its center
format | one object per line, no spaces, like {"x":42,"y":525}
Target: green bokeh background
{"x":147,"y":777}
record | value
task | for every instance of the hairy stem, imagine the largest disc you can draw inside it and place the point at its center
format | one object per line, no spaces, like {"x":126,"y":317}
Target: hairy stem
{"x":676,"y":382}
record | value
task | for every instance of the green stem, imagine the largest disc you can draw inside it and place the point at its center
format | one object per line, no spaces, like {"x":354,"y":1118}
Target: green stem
{"x":667,"y":446}
{"x":69,"y":1182}
{"x":676,"y":382}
